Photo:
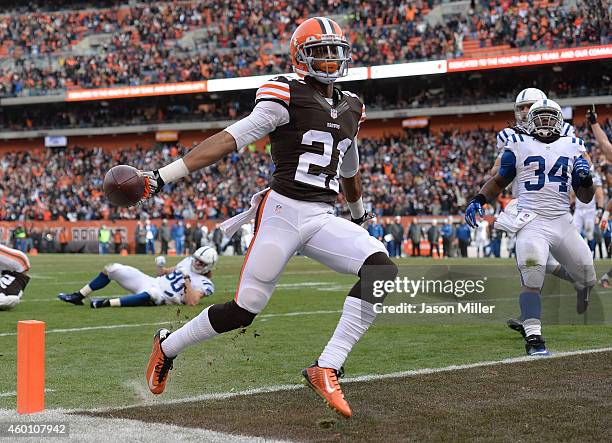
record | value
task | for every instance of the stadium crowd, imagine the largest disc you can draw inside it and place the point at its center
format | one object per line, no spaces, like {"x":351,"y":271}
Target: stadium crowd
{"x":426,"y":91}
{"x":148,"y":43}
{"x":417,"y":174}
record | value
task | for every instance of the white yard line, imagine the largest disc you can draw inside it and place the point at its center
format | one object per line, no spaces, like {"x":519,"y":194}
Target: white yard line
{"x":361,"y":378}
{"x":161,"y":323}
{"x":14,"y":393}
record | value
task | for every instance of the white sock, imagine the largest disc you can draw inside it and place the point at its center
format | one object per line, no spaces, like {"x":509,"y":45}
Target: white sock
{"x":115,"y":302}
{"x":86,"y":290}
{"x":357,"y":316}
{"x":532,"y":326}
{"x":194,"y":331}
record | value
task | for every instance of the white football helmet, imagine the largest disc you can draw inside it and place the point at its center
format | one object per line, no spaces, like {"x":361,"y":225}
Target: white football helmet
{"x":523,"y":102}
{"x":204,"y":260}
{"x":545,"y":119}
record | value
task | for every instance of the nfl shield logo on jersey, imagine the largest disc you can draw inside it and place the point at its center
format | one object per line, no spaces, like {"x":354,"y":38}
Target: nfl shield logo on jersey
{"x":333,"y":113}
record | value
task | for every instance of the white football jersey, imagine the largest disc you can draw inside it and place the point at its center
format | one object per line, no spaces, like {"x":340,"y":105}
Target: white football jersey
{"x":173,"y":285}
{"x":592,"y":205}
{"x":568,"y":130}
{"x":543,"y":173}
{"x":504,"y":136}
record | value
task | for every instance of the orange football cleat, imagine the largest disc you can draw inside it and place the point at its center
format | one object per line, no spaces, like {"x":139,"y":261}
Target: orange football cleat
{"x":324,"y":381}
{"x":159,"y":366}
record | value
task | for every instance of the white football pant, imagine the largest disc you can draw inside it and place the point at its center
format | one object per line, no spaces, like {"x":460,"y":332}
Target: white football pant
{"x":285,"y":226}
{"x":560,"y":237}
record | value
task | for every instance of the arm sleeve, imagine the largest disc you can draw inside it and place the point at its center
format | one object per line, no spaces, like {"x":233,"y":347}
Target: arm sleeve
{"x":507,"y":168}
{"x":265,"y":118}
{"x":350,"y":162}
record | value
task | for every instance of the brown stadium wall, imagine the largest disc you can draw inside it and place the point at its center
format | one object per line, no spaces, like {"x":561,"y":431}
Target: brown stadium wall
{"x":83,"y":235}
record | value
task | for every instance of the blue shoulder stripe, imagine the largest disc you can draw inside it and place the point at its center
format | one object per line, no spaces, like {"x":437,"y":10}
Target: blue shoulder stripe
{"x":521,"y":137}
{"x":573,"y":139}
{"x":514,"y":138}
{"x":567,"y":128}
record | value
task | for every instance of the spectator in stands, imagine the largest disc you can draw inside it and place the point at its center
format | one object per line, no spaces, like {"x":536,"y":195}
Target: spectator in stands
{"x":414,"y":234}
{"x":376,"y":230}
{"x":117,"y":240}
{"x":104,"y":237}
{"x":63,"y":240}
{"x":188,"y":238}
{"x":150,"y":235}
{"x":217,"y":238}
{"x":464,"y":237}
{"x":433,"y":236}
{"x":140,"y":236}
{"x":396,"y":230}
{"x":20,"y":238}
{"x":448,"y":236}
{"x":150,"y":43}
{"x":178,"y":235}
{"x":165,"y":236}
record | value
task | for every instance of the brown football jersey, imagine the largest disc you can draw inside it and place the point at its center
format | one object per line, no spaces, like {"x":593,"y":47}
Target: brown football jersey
{"x":307,"y":151}
{"x":13,"y":282}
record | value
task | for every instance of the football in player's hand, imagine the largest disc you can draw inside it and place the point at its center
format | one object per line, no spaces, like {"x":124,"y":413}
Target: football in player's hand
{"x":124,"y":186}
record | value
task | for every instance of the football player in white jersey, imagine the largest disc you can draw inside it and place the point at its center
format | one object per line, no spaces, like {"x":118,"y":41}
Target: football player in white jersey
{"x":186,"y":283}
{"x":544,"y":164}
{"x":14,"y":266}
{"x":586,"y":214}
{"x":524,"y":100}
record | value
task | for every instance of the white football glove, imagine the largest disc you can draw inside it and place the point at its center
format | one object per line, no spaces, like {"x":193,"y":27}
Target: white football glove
{"x":153,"y":184}
{"x":160,"y":261}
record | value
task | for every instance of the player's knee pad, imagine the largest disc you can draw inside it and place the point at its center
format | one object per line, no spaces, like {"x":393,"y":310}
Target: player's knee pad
{"x":267,"y":262}
{"x":229,"y":316}
{"x":110,"y":268}
{"x":532,"y":275}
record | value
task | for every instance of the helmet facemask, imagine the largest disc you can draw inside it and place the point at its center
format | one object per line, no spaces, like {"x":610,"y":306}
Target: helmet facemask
{"x":521,"y":112}
{"x":203,"y":260}
{"x":198,"y":266}
{"x":327,"y":59}
{"x":545,"y":123}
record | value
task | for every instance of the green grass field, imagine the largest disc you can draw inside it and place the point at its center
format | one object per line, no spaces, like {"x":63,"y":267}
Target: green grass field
{"x":96,"y":358}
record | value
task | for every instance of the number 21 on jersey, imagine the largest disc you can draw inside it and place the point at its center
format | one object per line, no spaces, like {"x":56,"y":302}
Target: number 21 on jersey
{"x":328,"y":161}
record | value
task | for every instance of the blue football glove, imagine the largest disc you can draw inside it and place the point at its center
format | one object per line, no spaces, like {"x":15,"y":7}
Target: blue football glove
{"x":582,"y":170}
{"x":475,"y":207}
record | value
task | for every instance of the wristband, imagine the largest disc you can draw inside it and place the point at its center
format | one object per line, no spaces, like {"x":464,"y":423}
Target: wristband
{"x":587,"y":182}
{"x":480,"y":198}
{"x":174,"y":171}
{"x":356,"y":208}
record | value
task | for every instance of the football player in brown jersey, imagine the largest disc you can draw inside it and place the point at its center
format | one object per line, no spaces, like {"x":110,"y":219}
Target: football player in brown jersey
{"x":313,"y":130}
{"x":14,"y":266}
